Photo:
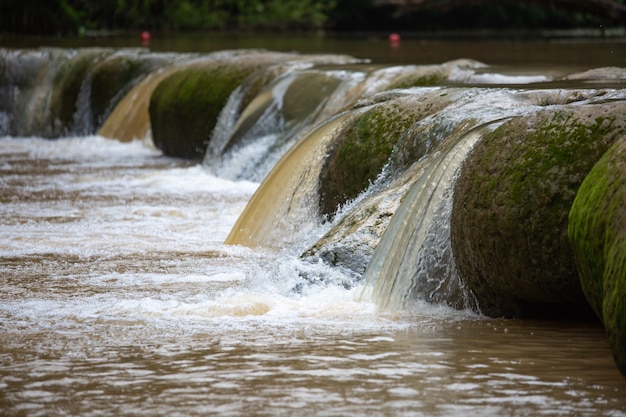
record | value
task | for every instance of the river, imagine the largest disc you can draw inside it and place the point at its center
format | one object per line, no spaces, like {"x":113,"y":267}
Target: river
{"x":119,"y":297}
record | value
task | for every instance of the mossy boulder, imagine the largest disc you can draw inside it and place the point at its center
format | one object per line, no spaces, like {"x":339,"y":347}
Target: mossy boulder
{"x":383,"y":136}
{"x":511,"y":205}
{"x":66,"y":88}
{"x":597,"y":231}
{"x":184,"y":107}
{"x":114,"y":76}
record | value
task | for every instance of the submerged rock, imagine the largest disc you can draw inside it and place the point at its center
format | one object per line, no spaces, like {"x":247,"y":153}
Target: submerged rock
{"x":512,"y":199}
{"x":597,"y":74}
{"x":597,"y":231}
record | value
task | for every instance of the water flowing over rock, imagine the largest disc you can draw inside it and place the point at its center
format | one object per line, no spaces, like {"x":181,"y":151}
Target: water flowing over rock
{"x":285,"y":208}
{"x":597,"y":230}
{"x":185,"y":106}
{"x":447,"y":183}
{"x":52,"y":92}
{"x":296,"y":99}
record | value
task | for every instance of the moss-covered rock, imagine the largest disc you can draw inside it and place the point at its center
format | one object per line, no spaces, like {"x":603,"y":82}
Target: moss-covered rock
{"x":113,"y":77}
{"x":512,"y":199}
{"x":381,"y":136}
{"x":66,"y":87}
{"x":597,"y":231}
{"x":185,"y":106}
{"x":358,"y":157}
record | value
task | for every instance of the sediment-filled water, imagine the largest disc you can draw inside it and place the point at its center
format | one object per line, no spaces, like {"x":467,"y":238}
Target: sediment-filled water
{"x":119,"y":298}
{"x":118,"y":295}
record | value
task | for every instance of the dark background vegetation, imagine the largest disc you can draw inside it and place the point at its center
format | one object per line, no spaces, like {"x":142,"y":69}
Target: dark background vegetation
{"x":71,"y":17}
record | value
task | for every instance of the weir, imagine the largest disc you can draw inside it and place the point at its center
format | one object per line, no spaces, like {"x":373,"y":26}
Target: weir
{"x":284,"y":210}
{"x":356,"y":162}
{"x":414,"y":259}
{"x":450,"y":184}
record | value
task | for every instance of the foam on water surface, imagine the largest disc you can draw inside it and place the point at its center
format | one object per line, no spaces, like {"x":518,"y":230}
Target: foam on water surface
{"x":127,"y":233}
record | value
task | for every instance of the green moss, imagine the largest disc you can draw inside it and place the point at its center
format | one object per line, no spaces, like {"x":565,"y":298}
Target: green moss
{"x":510,"y":219}
{"x":185,"y":106}
{"x":360,"y":154}
{"x":66,"y":87}
{"x":587,"y":232}
{"x":614,"y":302}
{"x":597,"y":231}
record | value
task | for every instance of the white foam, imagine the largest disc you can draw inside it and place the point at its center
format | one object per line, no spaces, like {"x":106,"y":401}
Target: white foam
{"x":469,"y":76}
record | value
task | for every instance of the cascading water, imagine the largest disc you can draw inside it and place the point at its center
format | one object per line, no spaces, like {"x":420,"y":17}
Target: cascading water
{"x":415,"y":261}
{"x":278,"y":115}
{"x":136,"y":283}
{"x":284,"y":211}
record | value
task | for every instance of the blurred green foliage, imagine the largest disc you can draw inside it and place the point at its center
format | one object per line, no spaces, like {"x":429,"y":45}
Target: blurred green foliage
{"x":63,"y":17}
{"x":67,"y":16}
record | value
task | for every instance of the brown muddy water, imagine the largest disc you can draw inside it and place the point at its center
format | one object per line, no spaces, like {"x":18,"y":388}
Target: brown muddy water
{"x":119,"y":297}
{"x":539,"y":52}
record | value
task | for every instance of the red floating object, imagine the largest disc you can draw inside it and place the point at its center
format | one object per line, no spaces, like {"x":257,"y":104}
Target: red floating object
{"x":394,"y":38}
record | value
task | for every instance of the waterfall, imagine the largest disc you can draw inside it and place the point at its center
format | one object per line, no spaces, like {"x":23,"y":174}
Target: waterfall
{"x":247,"y":143}
{"x":129,"y":119}
{"x":284,"y":208}
{"x":280,"y":121}
{"x":414,"y":257}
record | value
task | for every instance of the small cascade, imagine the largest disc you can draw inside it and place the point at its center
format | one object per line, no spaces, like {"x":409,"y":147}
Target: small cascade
{"x":130,"y":119}
{"x":28,"y":78}
{"x":414,"y":257}
{"x":57,"y":92}
{"x":284,"y":209}
{"x":19,"y":71}
{"x":247,"y":142}
{"x":248,"y":145}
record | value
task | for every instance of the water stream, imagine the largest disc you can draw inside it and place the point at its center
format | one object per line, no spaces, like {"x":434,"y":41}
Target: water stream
{"x":125,"y":290}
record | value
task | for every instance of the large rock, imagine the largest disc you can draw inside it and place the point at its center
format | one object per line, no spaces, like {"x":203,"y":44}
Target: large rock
{"x":512,"y":199}
{"x":597,"y":230}
{"x":380,"y":137}
{"x":114,"y":76}
{"x":185,"y":106}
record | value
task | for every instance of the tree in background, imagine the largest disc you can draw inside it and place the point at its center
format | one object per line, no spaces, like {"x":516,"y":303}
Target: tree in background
{"x":38,"y":17}
{"x":67,"y":16}
{"x":505,"y":14}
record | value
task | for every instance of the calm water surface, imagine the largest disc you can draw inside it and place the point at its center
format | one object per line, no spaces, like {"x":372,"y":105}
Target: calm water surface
{"x":118,"y":297}
{"x":541,"y":54}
